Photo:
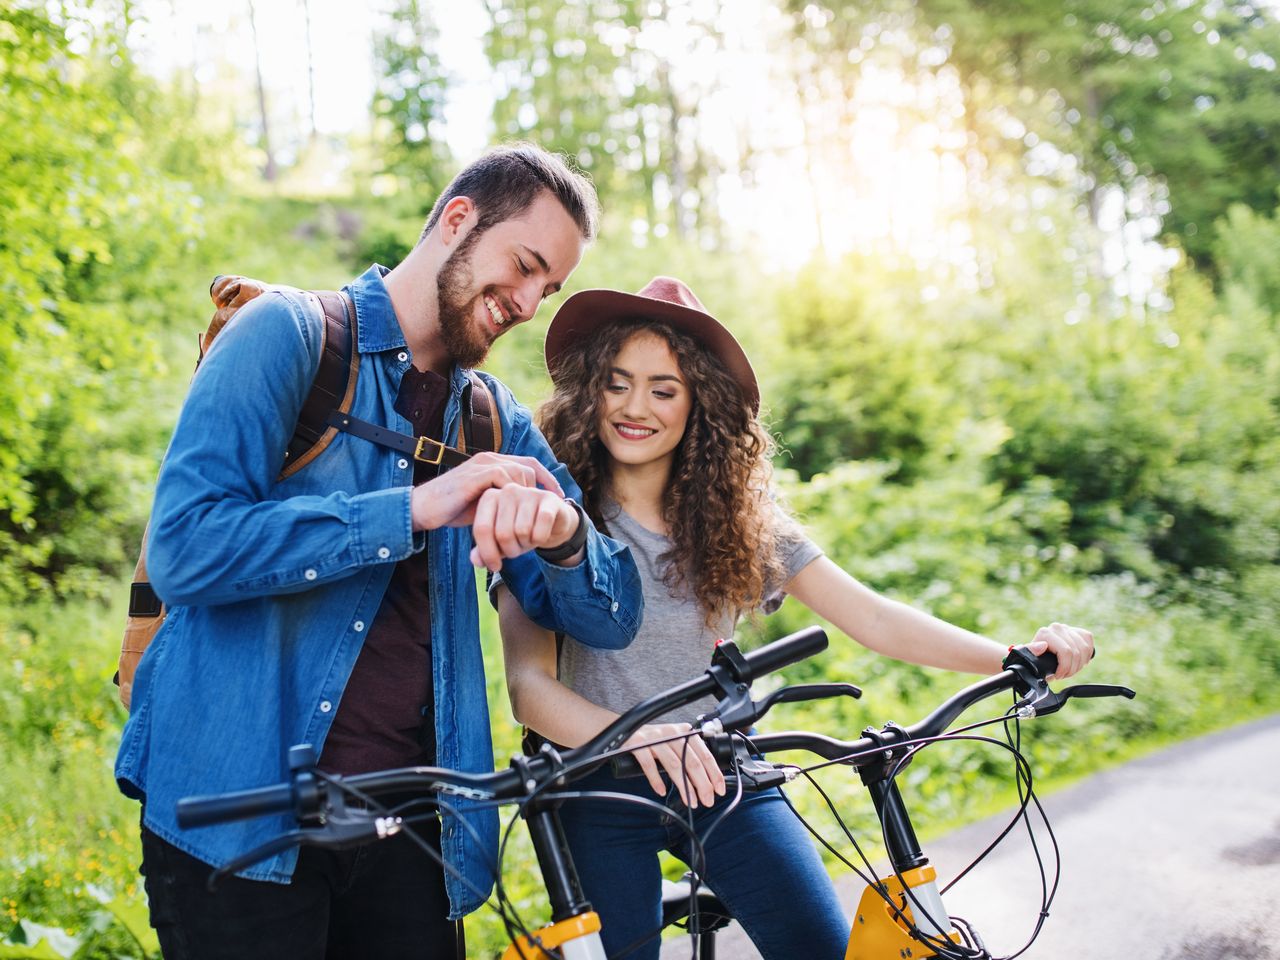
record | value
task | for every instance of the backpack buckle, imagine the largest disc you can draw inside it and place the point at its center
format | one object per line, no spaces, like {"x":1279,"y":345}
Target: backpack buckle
{"x":418,"y":454}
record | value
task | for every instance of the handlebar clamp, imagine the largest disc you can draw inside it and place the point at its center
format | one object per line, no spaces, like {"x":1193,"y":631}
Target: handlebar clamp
{"x":891,"y":738}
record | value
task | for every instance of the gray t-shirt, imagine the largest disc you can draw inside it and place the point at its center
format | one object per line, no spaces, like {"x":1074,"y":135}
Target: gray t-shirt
{"x":674,"y":643}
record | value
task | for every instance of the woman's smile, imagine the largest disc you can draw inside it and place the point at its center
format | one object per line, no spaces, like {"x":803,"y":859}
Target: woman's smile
{"x":633,"y":431}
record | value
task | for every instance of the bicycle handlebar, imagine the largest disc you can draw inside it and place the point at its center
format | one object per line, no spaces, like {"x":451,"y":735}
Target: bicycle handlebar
{"x":241,"y":805}
{"x":1023,"y":671}
{"x":790,"y":649}
{"x":305,"y":799}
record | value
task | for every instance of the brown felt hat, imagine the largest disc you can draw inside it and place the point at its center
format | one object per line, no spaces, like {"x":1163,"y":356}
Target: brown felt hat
{"x":662,"y":298}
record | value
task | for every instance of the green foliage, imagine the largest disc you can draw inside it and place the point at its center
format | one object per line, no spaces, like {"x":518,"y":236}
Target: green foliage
{"x":864,"y":371}
{"x":88,"y":230}
{"x":70,"y":839}
{"x":1119,"y":84}
{"x":593,"y":80}
{"x":1246,"y":242}
{"x":410,"y":98}
{"x":991,"y":440}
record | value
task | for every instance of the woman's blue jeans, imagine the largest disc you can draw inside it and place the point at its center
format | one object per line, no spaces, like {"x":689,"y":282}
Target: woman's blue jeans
{"x":760,"y":862}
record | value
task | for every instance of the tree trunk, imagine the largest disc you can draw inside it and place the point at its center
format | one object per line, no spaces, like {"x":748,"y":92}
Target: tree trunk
{"x":269,"y":170}
{"x":311,"y":72}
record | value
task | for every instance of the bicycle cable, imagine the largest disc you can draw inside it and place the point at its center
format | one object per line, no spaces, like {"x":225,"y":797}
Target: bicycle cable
{"x":548,"y":794}
{"x":1027,"y":796}
{"x":503,"y":907}
{"x":697,"y":849}
{"x":973,"y":948}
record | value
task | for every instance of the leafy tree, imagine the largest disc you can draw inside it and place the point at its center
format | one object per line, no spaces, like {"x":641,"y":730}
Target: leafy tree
{"x":87,"y":230}
{"x":597,"y":82}
{"x":410,"y":98}
{"x":860,"y":370}
{"x":1181,"y":92}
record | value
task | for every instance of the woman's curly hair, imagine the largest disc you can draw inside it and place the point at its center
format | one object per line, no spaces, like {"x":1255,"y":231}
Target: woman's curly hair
{"x":717,"y":506}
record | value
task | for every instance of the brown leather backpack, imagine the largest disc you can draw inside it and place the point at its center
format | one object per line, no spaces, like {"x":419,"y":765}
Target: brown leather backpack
{"x":325,"y":412}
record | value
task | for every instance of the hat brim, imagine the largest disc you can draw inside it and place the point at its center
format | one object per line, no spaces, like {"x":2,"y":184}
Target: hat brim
{"x":588,"y":310}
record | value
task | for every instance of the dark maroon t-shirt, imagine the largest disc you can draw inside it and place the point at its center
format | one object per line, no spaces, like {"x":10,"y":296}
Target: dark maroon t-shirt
{"x":386,"y":715}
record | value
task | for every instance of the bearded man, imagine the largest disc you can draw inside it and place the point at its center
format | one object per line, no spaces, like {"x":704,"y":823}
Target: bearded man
{"x":336,"y":606}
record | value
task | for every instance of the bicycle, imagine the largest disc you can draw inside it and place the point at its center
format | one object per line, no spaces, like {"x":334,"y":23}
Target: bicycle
{"x":900,"y":915}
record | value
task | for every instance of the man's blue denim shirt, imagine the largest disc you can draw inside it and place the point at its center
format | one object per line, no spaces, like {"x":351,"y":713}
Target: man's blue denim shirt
{"x":271,"y":583}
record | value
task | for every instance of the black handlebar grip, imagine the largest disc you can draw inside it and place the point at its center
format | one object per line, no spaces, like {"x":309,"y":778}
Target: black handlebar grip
{"x":790,"y":649}
{"x":1046,"y":664}
{"x":203,"y":811}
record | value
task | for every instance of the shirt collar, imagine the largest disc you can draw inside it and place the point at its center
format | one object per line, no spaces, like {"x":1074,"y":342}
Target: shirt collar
{"x":379,"y":328}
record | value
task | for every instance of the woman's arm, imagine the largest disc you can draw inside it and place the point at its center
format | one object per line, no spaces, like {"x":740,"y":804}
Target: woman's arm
{"x":905,"y":633}
{"x":544,"y":704}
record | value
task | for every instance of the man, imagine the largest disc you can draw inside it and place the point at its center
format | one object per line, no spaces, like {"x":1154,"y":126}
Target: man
{"x":337,"y":606}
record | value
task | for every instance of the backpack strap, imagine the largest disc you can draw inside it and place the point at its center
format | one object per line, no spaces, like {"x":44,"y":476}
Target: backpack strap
{"x":480,"y":427}
{"x":334,"y":386}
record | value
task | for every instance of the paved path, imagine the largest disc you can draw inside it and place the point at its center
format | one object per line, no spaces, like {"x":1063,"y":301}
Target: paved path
{"x":1172,"y":857}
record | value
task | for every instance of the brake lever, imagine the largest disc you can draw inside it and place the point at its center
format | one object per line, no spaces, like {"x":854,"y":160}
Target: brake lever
{"x":736,"y":709}
{"x":806,"y":691}
{"x":755,"y":773}
{"x":1047,"y":701}
{"x":350,"y":828}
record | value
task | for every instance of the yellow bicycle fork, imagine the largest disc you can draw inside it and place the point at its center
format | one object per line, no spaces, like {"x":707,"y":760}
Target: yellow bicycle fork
{"x":584,"y":929}
{"x":880,"y":933}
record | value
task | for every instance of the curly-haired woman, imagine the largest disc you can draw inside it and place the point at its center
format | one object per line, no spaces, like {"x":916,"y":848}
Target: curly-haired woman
{"x":655,"y":414}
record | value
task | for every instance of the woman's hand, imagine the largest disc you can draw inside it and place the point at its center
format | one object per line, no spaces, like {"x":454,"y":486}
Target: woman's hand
{"x":699,"y":769}
{"x":1072,"y":646}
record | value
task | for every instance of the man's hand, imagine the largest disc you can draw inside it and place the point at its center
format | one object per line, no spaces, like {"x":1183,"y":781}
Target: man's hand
{"x":513,"y":504}
{"x":700,"y":769}
{"x":1071,"y":645}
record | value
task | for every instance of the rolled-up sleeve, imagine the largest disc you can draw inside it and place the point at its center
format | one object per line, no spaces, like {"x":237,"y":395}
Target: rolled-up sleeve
{"x":599,"y":600}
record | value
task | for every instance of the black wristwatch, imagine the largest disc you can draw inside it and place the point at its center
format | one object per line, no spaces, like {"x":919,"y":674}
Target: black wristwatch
{"x":573,"y":544}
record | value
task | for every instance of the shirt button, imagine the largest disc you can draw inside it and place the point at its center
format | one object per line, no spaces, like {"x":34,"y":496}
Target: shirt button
{"x":325,"y":706}
{"x":383,"y":553}
{"x":402,"y":463}
{"x":402,"y":356}
{"x":358,"y":626}
{"x":613,"y":608}
{"x":310,"y":574}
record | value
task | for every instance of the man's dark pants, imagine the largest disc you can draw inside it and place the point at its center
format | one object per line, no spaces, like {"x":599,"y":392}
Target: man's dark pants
{"x":382,"y":900}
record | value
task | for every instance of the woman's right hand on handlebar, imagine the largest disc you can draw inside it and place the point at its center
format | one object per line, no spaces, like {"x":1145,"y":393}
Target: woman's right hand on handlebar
{"x":1073,"y":646}
{"x":700,"y":770}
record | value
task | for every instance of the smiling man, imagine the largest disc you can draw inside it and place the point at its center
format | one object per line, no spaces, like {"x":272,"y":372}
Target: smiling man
{"x":337,"y":606}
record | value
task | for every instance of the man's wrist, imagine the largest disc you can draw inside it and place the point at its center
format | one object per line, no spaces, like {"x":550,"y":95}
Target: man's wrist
{"x":573,"y":544}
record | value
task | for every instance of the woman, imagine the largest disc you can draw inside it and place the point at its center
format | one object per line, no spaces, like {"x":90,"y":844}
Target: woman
{"x":655,"y":414}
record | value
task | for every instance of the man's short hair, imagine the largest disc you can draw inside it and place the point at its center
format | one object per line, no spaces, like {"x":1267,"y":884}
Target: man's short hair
{"x":506,"y":181}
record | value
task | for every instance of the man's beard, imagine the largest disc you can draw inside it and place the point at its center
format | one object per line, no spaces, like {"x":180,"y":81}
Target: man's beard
{"x":467,"y":346}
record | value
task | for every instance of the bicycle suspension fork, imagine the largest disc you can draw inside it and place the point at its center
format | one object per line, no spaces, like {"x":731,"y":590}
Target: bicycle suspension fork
{"x":878,"y":926}
{"x":564,"y":889}
{"x":574,"y":931}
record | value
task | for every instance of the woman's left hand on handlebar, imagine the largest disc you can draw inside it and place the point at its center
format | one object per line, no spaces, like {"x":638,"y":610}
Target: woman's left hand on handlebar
{"x":1073,"y":646}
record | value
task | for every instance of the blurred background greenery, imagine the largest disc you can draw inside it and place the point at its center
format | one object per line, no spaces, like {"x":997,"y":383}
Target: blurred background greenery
{"x":1008,"y":270}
